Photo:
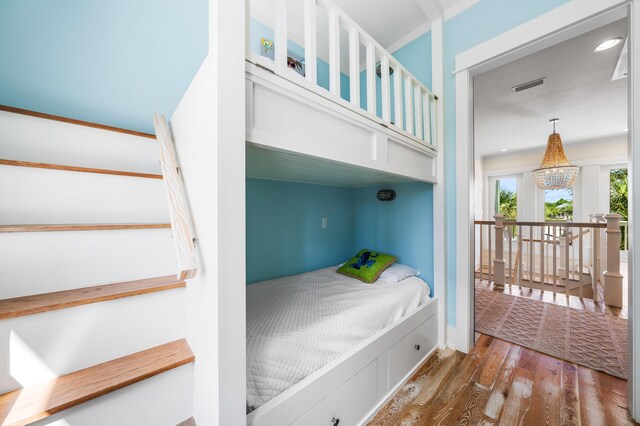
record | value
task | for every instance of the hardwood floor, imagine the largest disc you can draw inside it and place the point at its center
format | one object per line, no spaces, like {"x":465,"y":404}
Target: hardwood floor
{"x":502,"y":383}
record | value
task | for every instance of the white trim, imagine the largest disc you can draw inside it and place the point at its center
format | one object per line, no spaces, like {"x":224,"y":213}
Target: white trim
{"x":459,"y":7}
{"x":408,"y":38}
{"x":464,"y":211}
{"x":456,"y":339}
{"x":555,"y":26}
{"x":439,"y":204}
{"x":545,"y":30}
{"x":634,"y":215}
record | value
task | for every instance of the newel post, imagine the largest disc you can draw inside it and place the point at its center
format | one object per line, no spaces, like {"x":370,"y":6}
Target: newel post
{"x":498,"y":262}
{"x":612,"y":276}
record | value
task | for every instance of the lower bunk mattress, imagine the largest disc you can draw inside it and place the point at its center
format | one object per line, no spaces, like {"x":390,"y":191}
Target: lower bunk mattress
{"x":298,"y":324}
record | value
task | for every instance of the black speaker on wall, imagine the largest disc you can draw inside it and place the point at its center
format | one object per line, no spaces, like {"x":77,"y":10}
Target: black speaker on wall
{"x":386,"y":195}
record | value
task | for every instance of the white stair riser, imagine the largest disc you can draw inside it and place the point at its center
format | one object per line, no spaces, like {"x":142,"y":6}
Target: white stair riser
{"x":39,"y":347}
{"x":163,"y":400}
{"x":54,"y":196}
{"x":42,"y":262}
{"x":34,"y":139}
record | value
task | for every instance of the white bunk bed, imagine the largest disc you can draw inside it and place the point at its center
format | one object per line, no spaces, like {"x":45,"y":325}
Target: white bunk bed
{"x":292,"y":116}
{"x":290,"y":112}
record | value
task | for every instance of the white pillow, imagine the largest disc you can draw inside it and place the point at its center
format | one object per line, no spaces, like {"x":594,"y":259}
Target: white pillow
{"x":398,"y":272}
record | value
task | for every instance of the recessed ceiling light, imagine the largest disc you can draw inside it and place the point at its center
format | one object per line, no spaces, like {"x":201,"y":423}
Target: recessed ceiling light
{"x":608,"y":44}
{"x":504,"y":150}
{"x":626,"y":130}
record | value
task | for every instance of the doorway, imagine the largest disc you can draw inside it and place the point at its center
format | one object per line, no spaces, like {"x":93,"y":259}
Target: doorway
{"x":516,"y":45}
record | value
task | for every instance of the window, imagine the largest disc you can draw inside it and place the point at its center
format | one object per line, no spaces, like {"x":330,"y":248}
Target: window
{"x":619,"y":192}
{"x":619,"y":200}
{"x":507,"y":198}
{"x":558,"y":204}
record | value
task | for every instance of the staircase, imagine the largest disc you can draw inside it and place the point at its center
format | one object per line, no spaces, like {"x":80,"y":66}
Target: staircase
{"x":92,"y":312}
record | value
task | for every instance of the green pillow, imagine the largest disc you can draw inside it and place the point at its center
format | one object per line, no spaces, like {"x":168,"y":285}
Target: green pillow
{"x":367,"y":265}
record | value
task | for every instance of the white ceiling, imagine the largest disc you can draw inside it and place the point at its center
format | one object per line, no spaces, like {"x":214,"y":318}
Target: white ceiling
{"x":390,"y":23}
{"x":578,"y":90}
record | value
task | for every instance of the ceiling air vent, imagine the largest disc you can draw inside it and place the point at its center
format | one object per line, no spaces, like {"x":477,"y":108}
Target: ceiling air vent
{"x":529,"y":85}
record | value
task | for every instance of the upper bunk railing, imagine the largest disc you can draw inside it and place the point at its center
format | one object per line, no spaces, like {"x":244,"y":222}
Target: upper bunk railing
{"x":179,"y":212}
{"x":411,"y":102}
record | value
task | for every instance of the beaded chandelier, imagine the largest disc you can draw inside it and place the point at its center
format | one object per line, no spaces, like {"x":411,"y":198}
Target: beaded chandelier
{"x":555,"y":171}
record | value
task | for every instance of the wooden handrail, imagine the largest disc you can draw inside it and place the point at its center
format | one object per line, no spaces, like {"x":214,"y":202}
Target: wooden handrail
{"x":558,"y":224}
{"x":14,"y":110}
{"x":179,"y":212}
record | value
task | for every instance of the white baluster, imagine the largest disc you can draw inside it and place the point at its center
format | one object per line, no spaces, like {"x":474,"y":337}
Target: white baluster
{"x":334,"y":52}
{"x":567,"y":241}
{"x":531,"y":277}
{"x":481,"y":254}
{"x":397,"y":98}
{"x":417,"y":96}
{"x":555,"y":267}
{"x":509,"y":233}
{"x":498,"y":262}
{"x":280,"y":33}
{"x":521,"y":259}
{"x":542,"y":241}
{"x":310,"y":45}
{"x":408,"y":106}
{"x":490,"y":250}
{"x":354,"y":67}
{"x":426,"y":116}
{"x":386,"y":88}
{"x":371,"y":78}
{"x":580,"y":261}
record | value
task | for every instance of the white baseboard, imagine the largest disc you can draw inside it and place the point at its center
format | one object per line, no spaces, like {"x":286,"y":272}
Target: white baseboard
{"x":456,"y":339}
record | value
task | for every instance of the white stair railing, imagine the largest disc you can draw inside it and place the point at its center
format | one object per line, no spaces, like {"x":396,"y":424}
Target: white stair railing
{"x":179,"y":212}
{"x":550,"y":256}
{"x":413,"y":103}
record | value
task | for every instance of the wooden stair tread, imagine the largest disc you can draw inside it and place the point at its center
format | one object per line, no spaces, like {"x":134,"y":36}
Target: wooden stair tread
{"x":34,"y":304}
{"x":51,"y":166}
{"x":82,"y":227}
{"x":37,"y":402}
{"x":74,"y":121}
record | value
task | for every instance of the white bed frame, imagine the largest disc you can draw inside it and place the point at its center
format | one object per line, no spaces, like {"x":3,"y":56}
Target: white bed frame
{"x":353,"y":387}
{"x":288,"y":112}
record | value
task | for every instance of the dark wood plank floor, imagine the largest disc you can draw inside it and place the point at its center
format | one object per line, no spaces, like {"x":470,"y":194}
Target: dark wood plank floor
{"x":502,"y":383}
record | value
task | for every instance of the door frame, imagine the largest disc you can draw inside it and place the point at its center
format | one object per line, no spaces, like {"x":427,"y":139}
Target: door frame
{"x":562,"y":23}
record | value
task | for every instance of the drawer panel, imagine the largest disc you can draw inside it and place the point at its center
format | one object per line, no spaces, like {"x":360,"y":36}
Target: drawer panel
{"x":348,"y":404}
{"x":405,"y":354}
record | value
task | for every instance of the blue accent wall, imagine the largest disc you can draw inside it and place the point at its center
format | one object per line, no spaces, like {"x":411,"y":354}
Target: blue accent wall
{"x":285,"y":237}
{"x":416,"y":57}
{"x":113,"y":62}
{"x":284,"y":233}
{"x":403,"y":227}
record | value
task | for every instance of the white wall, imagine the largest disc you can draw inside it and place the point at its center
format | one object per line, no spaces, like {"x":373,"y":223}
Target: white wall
{"x":209,"y":131}
{"x":595,"y":159}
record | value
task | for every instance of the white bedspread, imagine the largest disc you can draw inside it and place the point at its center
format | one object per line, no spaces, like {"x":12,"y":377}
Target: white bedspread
{"x":297,"y":324}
